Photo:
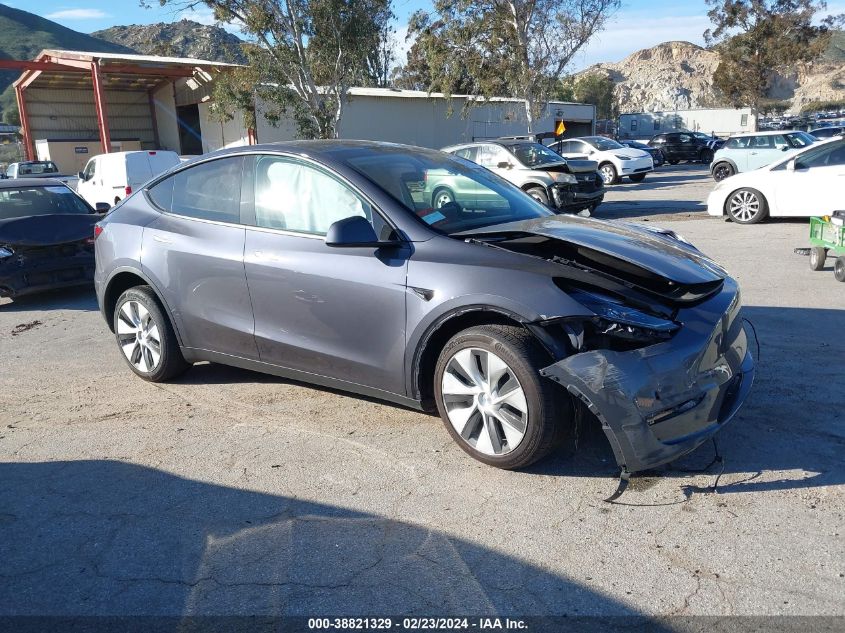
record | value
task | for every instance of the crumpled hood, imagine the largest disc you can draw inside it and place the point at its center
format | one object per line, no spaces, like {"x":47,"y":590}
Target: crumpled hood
{"x":46,"y":230}
{"x":572,"y":165}
{"x":651,"y":250}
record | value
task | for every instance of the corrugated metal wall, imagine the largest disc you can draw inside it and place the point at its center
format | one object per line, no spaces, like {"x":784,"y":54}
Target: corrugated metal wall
{"x":70,"y":115}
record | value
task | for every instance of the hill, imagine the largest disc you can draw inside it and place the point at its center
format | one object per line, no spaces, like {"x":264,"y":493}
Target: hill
{"x":679,"y":75}
{"x":23,"y":35}
{"x":178,"y":39}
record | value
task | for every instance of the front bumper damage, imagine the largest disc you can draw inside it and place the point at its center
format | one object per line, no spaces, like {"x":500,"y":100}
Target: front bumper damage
{"x":660,"y":402}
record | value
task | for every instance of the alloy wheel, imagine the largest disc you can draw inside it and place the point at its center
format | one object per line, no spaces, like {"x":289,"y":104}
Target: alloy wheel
{"x":721,"y":172}
{"x":484,"y":401}
{"x":139,"y":337}
{"x":744,"y":206}
{"x":608,"y":174}
{"x":442,"y":199}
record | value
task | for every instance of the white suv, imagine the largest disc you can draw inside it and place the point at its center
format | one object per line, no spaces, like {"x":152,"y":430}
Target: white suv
{"x":615,"y":161}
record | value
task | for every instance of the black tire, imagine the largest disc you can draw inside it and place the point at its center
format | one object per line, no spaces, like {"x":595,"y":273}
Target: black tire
{"x":637,"y":177}
{"x":549,"y":408}
{"x":539,"y":194}
{"x":818,"y":255}
{"x":740,"y":217}
{"x":171,"y":363}
{"x":839,"y":269}
{"x":441,"y":197}
{"x":706,"y":156}
{"x":608,"y":174}
{"x":723,"y":170}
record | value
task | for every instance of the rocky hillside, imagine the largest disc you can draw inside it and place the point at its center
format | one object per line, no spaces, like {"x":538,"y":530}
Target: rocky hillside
{"x":23,"y":35}
{"x":178,"y":39}
{"x":679,"y":75}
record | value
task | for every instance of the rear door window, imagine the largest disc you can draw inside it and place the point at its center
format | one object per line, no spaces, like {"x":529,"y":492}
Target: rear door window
{"x":208,"y":191}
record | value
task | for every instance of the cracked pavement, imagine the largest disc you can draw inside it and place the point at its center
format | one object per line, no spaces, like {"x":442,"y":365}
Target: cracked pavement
{"x":230,"y":492}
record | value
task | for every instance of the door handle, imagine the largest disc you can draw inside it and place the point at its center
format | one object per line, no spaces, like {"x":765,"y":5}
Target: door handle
{"x":163,"y":240}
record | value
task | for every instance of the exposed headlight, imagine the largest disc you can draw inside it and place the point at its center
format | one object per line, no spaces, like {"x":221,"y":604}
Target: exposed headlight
{"x":621,"y":157}
{"x":567,"y":179}
{"x":5,"y":251}
{"x":617,"y":319}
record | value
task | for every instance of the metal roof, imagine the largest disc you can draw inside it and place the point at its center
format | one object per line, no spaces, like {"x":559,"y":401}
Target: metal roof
{"x":152,"y":60}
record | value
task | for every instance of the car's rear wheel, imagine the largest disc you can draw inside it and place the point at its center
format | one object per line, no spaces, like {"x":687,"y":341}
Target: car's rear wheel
{"x":608,"y":173}
{"x":818,"y":255}
{"x":722,"y":171}
{"x":747,"y":206}
{"x":493,"y":401}
{"x":706,"y":156}
{"x":539,"y":194}
{"x":145,"y":336}
{"x":637,"y":177}
{"x":442,"y":197}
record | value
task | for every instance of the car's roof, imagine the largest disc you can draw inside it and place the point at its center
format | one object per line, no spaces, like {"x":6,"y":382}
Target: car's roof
{"x":17,"y":183}
{"x":765,"y":133}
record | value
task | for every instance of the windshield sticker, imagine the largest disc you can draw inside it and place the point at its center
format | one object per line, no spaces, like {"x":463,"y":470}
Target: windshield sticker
{"x":431,"y":218}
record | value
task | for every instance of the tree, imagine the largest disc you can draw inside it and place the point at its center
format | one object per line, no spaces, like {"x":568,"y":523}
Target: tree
{"x":520,"y":47}
{"x":303,"y":57}
{"x":597,"y":88}
{"x":756,"y":38}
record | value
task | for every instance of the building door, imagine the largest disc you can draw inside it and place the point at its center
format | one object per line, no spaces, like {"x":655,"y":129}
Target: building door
{"x":190,"y":133}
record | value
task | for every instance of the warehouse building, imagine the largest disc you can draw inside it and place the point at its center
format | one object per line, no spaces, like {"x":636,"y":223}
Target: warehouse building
{"x":78,"y":104}
{"x":721,"y":121}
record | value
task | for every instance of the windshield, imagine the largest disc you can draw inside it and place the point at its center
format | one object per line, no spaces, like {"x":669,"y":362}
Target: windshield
{"x":534,"y":154}
{"x":25,"y":201}
{"x":42,"y":167}
{"x":447,"y":193}
{"x":800,"y":139}
{"x":602,"y":144}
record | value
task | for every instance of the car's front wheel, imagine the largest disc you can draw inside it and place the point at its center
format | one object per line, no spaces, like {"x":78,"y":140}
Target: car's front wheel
{"x":539,"y":194}
{"x":493,"y":401}
{"x":608,"y":174}
{"x":145,"y":336}
{"x":722,"y":171}
{"x":442,"y":197}
{"x":637,"y":177}
{"x":747,"y":206}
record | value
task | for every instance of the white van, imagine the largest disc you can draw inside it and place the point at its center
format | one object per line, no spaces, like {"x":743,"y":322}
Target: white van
{"x":111,"y":177}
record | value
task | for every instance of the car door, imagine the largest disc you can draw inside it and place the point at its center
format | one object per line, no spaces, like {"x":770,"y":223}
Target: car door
{"x":816,"y":184}
{"x":87,"y":185}
{"x":687,"y":148}
{"x":194,"y":251}
{"x":330,"y":311}
{"x":763,"y":151}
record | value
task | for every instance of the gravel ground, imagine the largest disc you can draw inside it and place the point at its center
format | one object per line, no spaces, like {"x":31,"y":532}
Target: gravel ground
{"x":230,"y":492}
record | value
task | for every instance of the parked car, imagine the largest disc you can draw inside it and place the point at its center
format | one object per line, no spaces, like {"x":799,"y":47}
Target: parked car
{"x":803,"y":184}
{"x":46,"y":237}
{"x":38,"y":169}
{"x":319,"y":261}
{"x":710,"y":140}
{"x":745,"y":152}
{"x":111,"y":177}
{"x":828,"y":131}
{"x":564,"y":185}
{"x":656,"y":154}
{"x":615,"y":161}
{"x":678,"y":146}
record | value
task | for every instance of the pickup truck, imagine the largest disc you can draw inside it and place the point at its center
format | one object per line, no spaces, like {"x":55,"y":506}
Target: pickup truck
{"x":39,"y":169}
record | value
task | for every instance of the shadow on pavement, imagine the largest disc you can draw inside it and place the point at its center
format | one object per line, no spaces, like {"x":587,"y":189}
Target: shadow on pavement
{"x":105,"y":537}
{"x":80,"y":298}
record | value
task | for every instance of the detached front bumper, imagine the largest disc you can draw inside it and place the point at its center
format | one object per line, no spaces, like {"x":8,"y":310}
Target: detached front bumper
{"x":660,"y":402}
{"x":569,"y":199}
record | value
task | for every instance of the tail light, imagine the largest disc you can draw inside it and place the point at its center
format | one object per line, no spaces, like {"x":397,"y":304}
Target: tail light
{"x":127,"y":189}
{"x":97,"y":230}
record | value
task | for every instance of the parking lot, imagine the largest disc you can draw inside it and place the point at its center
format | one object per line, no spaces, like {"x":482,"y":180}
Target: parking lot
{"x":230,"y":492}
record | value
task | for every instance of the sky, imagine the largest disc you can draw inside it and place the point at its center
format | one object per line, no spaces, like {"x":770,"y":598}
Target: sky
{"x":638,"y":24}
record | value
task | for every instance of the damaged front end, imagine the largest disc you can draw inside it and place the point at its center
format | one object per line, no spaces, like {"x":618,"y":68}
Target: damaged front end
{"x":659,"y":399}
{"x":663,"y":362}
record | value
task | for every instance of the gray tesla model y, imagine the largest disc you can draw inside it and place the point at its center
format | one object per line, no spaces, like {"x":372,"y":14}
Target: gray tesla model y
{"x":327,"y":262}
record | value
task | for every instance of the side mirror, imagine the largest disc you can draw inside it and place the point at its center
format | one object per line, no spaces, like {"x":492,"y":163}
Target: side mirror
{"x":504,"y":165}
{"x":355,"y":231}
{"x":785,"y":148}
{"x":81,"y":176}
{"x":102,"y":207}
